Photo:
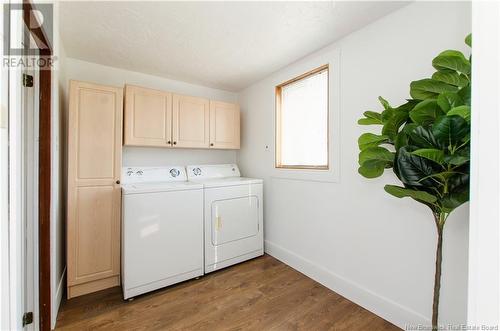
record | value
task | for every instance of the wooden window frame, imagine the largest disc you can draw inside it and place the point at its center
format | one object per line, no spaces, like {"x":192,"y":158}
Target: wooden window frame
{"x":278,"y":98}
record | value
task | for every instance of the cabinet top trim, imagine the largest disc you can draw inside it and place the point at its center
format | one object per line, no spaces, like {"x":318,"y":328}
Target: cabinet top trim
{"x":179,"y":94}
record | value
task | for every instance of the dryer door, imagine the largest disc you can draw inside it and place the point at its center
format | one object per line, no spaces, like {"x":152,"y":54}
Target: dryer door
{"x":233,"y":225}
{"x":234,"y":219}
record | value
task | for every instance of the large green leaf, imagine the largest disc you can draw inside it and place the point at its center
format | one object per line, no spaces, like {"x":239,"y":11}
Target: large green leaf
{"x":429,"y":88}
{"x":460,"y":156}
{"x":448,"y":100}
{"x":393,"y":122}
{"x":456,"y":160}
{"x":401,"y":140}
{"x":373,"y":114}
{"x":451,"y":77}
{"x":426,"y":112}
{"x":462,"y":111}
{"x":368,"y":121}
{"x":403,"y":137}
{"x":371,"y":117}
{"x":450,"y":130}
{"x":468,"y":40}
{"x":401,"y":192}
{"x":393,"y":118}
{"x":371,"y":140}
{"x":436,"y":155}
{"x":458,"y":182}
{"x":454,"y":199}
{"x":443,"y":176}
{"x":453,"y":60}
{"x":414,"y":170}
{"x":384,"y":103}
{"x":409,"y":127}
{"x":373,"y":161}
{"x":376,"y":153}
{"x":465,"y":94}
{"x":423,"y":138}
{"x":408,"y":105}
{"x":372,"y":169}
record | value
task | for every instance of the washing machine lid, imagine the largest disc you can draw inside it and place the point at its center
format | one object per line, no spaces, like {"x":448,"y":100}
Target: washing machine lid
{"x":155,"y":187}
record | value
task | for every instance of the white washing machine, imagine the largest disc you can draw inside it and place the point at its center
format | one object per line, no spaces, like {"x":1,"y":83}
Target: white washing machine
{"x":162,"y":228}
{"x":233,"y":215}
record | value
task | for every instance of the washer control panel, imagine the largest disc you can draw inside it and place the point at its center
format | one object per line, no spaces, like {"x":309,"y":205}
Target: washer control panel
{"x":153,"y":174}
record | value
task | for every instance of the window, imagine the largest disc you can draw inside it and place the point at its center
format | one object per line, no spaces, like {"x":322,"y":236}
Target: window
{"x":302,"y":121}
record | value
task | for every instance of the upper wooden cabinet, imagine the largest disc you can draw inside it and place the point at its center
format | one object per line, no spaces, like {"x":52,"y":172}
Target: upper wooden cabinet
{"x":224,"y":125}
{"x":163,"y":119}
{"x":148,"y":117}
{"x":190,"y":125}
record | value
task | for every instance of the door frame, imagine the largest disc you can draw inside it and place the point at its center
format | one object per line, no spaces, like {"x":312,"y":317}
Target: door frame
{"x":29,"y":193}
{"x":15,"y":262}
{"x":44,"y":165}
{"x":15,"y":279}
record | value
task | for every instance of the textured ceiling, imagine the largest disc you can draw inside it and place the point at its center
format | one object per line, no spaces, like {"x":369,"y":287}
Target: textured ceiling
{"x":226,"y":45}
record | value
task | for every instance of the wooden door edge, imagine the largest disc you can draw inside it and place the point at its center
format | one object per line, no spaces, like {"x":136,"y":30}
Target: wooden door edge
{"x":44,"y":170}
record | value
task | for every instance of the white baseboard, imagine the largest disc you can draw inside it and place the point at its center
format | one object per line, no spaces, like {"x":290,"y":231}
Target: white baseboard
{"x":57,"y":300}
{"x":379,"y":305}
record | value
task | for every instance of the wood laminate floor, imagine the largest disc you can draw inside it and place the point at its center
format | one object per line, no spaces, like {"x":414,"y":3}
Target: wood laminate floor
{"x":261,"y":294}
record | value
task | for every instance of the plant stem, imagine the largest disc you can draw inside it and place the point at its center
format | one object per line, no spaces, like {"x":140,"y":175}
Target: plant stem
{"x":439,"y":218}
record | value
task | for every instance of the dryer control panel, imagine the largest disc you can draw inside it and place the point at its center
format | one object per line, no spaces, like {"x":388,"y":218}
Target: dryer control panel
{"x":212,"y":171}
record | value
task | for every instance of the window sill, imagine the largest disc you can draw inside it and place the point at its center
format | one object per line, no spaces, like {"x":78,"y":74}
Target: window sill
{"x":310,"y":175}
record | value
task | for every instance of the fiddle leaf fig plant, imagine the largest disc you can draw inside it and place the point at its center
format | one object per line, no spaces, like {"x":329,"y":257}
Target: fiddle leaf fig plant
{"x":426,"y":142}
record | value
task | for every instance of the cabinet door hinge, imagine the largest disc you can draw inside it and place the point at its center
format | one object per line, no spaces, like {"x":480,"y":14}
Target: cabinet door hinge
{"x":27,"y":80}
{"x":27,"y":318}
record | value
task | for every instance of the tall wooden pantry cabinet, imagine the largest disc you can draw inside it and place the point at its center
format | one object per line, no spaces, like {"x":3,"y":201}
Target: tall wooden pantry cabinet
{"x":93,"y":206}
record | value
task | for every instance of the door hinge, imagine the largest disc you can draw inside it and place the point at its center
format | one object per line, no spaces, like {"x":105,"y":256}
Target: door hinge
{"x":27,"y":318}
{"x":27,"y":80}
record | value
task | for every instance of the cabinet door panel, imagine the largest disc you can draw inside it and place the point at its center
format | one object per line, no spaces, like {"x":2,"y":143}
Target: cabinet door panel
{"x":94,"y":163}
{"x":224,"y":125}
{"x":94,"y":215}
{"x":190,"y":127}
{"x":148,"y":117}
{"x":95,"y":155}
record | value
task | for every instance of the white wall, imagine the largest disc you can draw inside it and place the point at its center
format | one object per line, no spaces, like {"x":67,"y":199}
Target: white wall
{"x":135,"y":156}
{"x":344,"y":230}
{"x":484,"y":248}
{"x":58,"y":178}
